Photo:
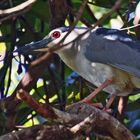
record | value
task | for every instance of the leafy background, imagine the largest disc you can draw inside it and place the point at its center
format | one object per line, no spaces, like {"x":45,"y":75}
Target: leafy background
{"x":58,"y":85}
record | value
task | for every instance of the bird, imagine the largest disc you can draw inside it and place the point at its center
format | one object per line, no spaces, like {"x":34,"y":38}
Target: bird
{"x":107,"y":58}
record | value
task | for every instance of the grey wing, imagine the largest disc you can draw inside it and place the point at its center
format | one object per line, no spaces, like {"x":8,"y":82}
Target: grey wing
{"x":122,"y":54}
{"x":131,"y":70}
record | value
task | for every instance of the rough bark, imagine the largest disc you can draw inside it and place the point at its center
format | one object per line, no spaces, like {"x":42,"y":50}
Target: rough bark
{"x":40,"y":132}
{"x":79,"y":120}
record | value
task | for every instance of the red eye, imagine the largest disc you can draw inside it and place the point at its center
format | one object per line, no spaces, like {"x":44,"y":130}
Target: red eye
{"x":56,"y":34}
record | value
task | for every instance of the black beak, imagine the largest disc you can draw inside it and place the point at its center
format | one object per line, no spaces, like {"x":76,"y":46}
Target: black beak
{"x":38,"y":46}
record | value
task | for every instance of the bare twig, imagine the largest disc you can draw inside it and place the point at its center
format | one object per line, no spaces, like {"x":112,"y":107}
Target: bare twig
{"x":91,"y":13}
{"x":16,"y":11}
{"x":82,"y":19}
{"x":130,"y":27}
{"x":17,"y":8}
{"x":105,"y":16}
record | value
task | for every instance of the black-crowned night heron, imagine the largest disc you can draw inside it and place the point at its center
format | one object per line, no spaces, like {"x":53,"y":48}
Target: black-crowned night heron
{"x":108,"y":58}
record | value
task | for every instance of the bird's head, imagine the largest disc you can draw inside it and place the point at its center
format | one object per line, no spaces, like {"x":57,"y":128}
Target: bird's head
{"x":52,"y":40}
{"x":56,"y":35}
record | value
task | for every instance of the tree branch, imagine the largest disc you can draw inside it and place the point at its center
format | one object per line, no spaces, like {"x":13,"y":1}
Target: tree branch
{"x":84,"y":117}
{"x":16,"y":11}
{"x":17,"y":8}
{"x":40,"y":132}
{"x":100,"y":122}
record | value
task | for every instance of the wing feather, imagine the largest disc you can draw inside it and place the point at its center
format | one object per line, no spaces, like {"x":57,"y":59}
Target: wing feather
{"x":114,"y":48}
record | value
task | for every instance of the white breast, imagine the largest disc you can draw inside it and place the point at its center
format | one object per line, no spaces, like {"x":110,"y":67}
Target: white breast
{"x":97,"y":73}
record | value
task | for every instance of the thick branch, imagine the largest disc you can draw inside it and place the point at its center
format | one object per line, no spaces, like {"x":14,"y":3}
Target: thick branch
{"x":88,"y":117}
{"x":100,"y":122}
{"x":40,"y":132}
{"x":46,"y":110}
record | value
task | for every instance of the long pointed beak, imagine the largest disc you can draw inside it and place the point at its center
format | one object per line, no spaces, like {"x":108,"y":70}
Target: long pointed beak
{"x":38,"y":46}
